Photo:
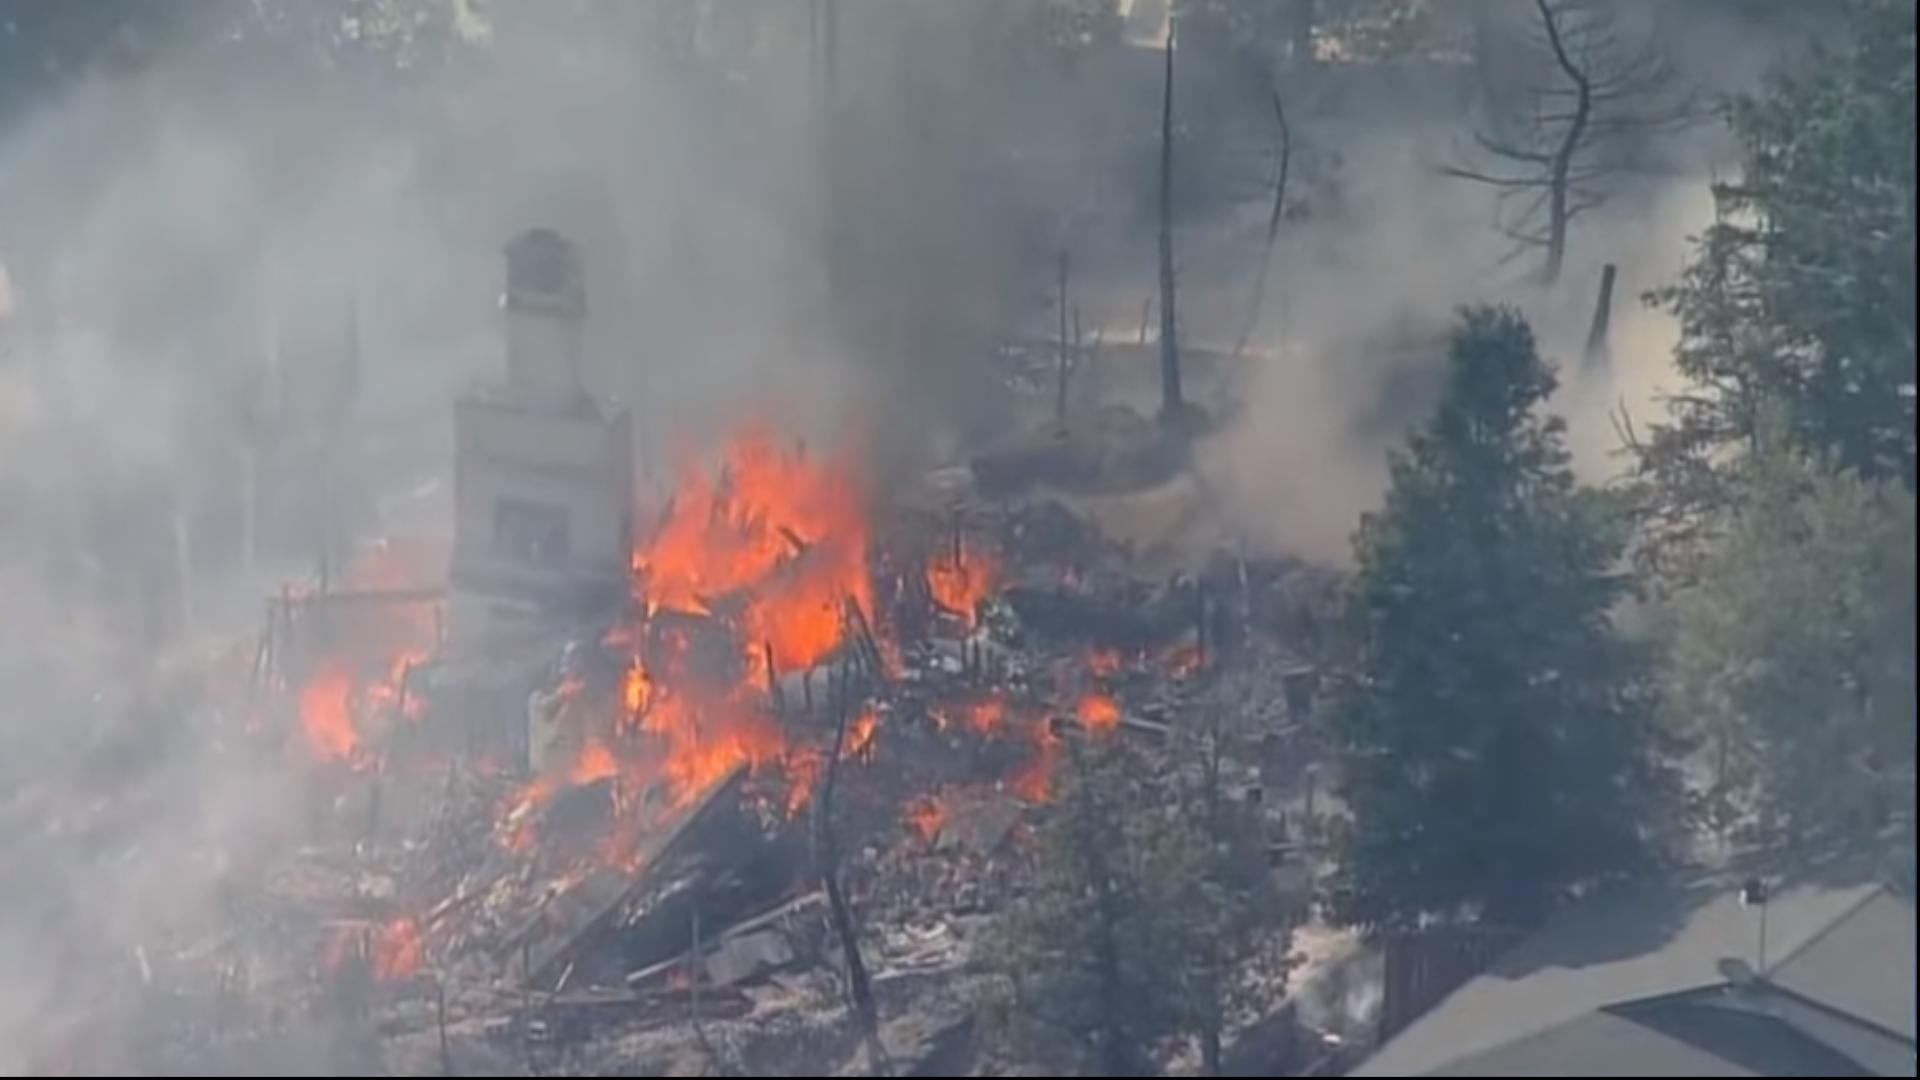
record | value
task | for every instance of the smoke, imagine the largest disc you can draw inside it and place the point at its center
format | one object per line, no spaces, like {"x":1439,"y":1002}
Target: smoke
{"x":191,"y":250}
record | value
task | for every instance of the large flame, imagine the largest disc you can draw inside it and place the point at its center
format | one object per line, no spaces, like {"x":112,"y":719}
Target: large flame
{"x":772,"y":551}
{"x":359,"y":676}
{"x":787,"y":530}
{"x":960,"y":579}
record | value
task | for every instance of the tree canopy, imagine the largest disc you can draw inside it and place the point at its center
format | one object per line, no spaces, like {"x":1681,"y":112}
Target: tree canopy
{"x":1491,"y":748}
{"x":1802,"y":291}
{"x":1791,"y":660}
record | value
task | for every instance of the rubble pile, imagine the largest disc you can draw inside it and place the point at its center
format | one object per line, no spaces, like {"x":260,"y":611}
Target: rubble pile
{"x":644,"y":891}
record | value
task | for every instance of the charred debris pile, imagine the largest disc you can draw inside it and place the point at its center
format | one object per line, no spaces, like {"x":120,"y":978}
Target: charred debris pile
{"x":797,"y":691}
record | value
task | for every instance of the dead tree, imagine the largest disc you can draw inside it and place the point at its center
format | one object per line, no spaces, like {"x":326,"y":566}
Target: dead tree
{"x":1602,"y":96}
{"x":1273,"y":221}
{"x":1596,"y":351}
{"x":859,"y":987}
{"x":1173,"y":405}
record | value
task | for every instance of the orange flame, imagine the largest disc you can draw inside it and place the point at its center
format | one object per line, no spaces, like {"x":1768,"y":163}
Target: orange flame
{"x":860,"y":738}
{"x":988,"y":714}
{"x":803,"y":768}
{"x":928,"y":815}
{"x":392,"y":951}
{"x":595,"y":762}
{"x":1034,"y":781}
{"x":790,"y":529}
{"x":1098,"y":712}
{"x":397,"y":951}
{"x":960,"y":581}
{"x":1104,"y":662}
{"x":773,"y":548}
{"x":636,"y":689}
{"x":326,"y":712}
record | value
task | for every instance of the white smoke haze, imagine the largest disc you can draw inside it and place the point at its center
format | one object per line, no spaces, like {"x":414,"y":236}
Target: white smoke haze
{"x":169,"y":237}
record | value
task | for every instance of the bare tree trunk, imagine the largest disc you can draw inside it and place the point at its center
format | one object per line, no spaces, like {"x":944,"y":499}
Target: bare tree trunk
{"x":1273,"y":225}
{"x":1558,"y":212}
{"x":1172,"y":400}
{"x":859,"y":987}
{"x":1596,"y":353}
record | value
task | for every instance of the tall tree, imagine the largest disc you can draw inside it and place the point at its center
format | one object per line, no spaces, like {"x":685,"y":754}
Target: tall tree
{"x":1603,"y":94}
{"x":1173,"y":402}
{"x":1802,"y":291}
{"x":1491,"y":748}
{"x":1792,"y":658}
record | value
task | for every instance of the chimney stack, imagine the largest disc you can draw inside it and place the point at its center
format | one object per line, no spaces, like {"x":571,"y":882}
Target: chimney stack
{"x":545,"y":305}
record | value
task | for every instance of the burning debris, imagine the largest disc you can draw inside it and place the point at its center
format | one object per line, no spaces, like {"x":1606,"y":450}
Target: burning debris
{"x":809,"y":729}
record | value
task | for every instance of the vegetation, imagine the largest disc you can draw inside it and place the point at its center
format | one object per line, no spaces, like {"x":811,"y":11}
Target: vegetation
{"x":1492,"y":749}
{"x":1801,"y":293}
{"x":1141,"y":911}
{"x":1605,"y":94}
{"x":1791,"y":661}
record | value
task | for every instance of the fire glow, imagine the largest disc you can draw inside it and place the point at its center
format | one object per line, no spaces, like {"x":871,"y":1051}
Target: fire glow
{"x":771,"y":551}
{"x":960,"y":580}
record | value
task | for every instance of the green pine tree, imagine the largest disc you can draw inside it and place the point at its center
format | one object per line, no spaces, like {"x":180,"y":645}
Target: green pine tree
{"x":1802,"y":292}
{"x":1492,"y":749}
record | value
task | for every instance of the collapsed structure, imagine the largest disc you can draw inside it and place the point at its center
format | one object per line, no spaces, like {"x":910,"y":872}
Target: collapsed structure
{"x":589,"y":784}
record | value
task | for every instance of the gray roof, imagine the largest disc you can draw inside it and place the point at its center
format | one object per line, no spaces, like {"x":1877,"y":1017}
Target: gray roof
{"x":1682,"y":1040}
{"x":1653,"y":940}
{"x":1855,"y":966}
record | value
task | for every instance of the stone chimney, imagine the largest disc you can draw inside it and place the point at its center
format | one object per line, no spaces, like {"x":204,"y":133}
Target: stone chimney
{"x":545,"y":304}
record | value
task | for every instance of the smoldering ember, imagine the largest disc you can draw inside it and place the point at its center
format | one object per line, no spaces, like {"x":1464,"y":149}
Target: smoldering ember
{"x":901,"y":537}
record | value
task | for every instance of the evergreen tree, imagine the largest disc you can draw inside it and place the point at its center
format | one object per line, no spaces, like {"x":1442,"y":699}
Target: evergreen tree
{"x":1792,"y":658}
{"x":1149,"y":896}
{"x":1088,"y":952}
{"x":1492,"y":746}
{"x":1802,"y":292}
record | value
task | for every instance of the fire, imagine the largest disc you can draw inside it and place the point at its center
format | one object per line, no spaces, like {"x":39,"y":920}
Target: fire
{"x":706,"y":741}
{"x":803,"y":768}
{"x":860,"y":737}
{"x":1098,"y":712}
{"x":397,"y":951}
{"x":770,"y":555}
{"x":786,"y":529}
{"x":392,"y":951}
{"x":361,"y":676}
{"x":1034,"y":781}
{"x":1104,"y":662}
{"x":326,"y":713}
{"x":988,"y":714}
{"x":636,"y":689}
{"x":595,"y":762}
{"x":960,"y":580}
{"x":927,"y":815}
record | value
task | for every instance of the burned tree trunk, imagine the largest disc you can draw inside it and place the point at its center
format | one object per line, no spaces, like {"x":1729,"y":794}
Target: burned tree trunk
{"x":859,"y":987}
{"x":1559,"y":207}
{"x":1273,"y":224}
{"x":1172,"y":400}
{"x":1596,"y":352}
